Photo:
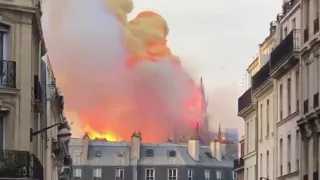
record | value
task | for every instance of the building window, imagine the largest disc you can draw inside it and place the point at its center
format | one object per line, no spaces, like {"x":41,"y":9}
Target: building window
{"x":172,"y":174}
{"x":297,"y":89}
{"x":4,"y":42}
{"x":150,"y":174}
{"x":281,"y":155}
{"x":289,"y":153}
{"x":77,"y":172}
{"x":261,"y":121}
{"x":294,"y":24}
{"x":268,"y":114}
{"x":281,"y":101}
{"x":76,"y":157}
{"x":97,"y":173}
{"x":268,"y":164}
{"x":247,"y":138}
{"x":308,"y":82}
{"x":261,"y":164}
{"x":317,"y":74}
{"x":289,"y":95}
{"x":207,"y":174}
{"x":98,"y":154}
{"x":218,"y":175}
{"x":248,"y":175}
{"x":119,"y":173}
{"x":2,"y":132}
{"x":297,"y":147}
{"x":285,"y":32}
{"x":190,"y":174}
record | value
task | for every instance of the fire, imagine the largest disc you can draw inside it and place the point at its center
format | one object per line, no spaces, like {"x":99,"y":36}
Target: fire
{"x":96,"y":135}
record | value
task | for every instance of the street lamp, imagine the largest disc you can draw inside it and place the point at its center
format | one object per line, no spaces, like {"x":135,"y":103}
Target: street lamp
{"x":63,"y":135}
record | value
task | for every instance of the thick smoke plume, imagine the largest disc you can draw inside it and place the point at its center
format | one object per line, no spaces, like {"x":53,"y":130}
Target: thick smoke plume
{"x":119,"y":76}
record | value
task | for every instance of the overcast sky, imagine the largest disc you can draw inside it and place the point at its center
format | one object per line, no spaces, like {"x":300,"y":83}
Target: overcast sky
{"x":216,"y":40}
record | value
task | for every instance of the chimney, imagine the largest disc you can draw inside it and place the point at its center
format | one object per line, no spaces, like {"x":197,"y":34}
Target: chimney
{"x":194,"y":148}
{"x":213,"y":148}
{"x":223,"y":147}
{"x":135,"y":147}
{"x":218,"y":155}
{"x":85,"y":145}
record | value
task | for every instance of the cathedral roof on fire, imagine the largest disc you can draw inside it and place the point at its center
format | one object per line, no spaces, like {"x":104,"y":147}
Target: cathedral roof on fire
{"x":101,"y":152}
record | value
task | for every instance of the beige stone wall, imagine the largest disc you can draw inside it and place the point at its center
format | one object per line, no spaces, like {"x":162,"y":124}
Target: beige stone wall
{"x":23,"y":48}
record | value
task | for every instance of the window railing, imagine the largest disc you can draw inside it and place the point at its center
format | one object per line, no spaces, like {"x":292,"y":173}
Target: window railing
{"x":20,"y":164}
{"x":8,"y":73}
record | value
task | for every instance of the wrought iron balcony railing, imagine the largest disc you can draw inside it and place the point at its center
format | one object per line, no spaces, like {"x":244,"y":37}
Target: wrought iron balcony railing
{"x":261,"y":77}
{"x":238,"y":163}
{"x":20,"y":164}
{"x":244,"y":100}
{"x":56,"y":95}
{"x":8,"y":73}
{"x":289,"y":45}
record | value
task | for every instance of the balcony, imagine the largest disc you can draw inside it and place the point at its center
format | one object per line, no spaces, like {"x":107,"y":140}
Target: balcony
{"x":305,"y":35}
{"x":238,"y":163}
{"x":56,"y":96}
{"x":261,"y":77}
{"x":8,"y":74}
{"x":244,"y":101}
{"x":19,"y":164}
{"x":286,"y":55}
{"x":316,"y":25}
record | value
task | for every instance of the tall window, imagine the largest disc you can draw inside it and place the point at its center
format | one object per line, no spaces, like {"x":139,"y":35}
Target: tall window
{"x":261,"y":121}
{"x":281,"y":155}
{"x":294,"y":24}
{"x":281,"y":100}
{"x":285,"y":32}
{"x":2,"y":131}
{"x":308,"y":81}
{"x":247,"y":138}
{"x":248,"y":175}
{"x":297,"y":89}
{"x":77,"y":173}
{"x":97,"y":173}
{"x":172,"y":174}
{"x":289,"y":153}
{"x":307,"y":13}
{"x":317,"y":74}
{"x":268,"y":164}
{"x":150,"y":174}
{"x":315,"y":153}
{"x":267,"y":117}
{"x":261,"y":164}
{"x":119,"y":173}
{"x":297,"y":148}
{"x":190,"y":174}
{"x":207,"y":174}
{"x":289,"y":95}
{"x":218,"y":175}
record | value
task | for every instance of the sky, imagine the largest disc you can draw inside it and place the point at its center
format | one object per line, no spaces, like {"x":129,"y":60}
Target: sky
{"x":216,"y":40}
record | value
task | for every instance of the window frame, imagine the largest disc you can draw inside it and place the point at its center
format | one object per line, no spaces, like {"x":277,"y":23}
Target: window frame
{"x":218,"y":174}
{"x":207,"y":172}
{"x":77,"y":172}
{"x":153,"y":177}
{"x":97,"y":172}
{"x":172,"y":177}
{"x":118,"y":171}
{"x":190,"y":174}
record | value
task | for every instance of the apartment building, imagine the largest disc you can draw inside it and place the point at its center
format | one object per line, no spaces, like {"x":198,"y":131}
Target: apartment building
{"x":22,"y":92}
{"x":309,"y":68}
{"x":238,"y":164}
{"x":101,"y":159}
{"x":247,"y":110}
{"x":284,"y":70}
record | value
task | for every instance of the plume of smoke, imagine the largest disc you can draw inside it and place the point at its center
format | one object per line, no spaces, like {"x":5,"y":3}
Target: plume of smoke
{"x":88,"y":55}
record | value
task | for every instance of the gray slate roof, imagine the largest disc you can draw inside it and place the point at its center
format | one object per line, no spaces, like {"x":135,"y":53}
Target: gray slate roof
{"x":109,"y":154}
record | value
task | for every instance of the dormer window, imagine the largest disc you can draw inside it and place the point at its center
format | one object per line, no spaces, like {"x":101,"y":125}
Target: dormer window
{"x":172,"y":154}
{"x":98,"y":154}
{"x":120,"y":154}
{"x":149,"y":152}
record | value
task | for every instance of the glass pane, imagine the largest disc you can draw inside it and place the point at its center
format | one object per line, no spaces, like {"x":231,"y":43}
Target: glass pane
{"x":1,"y":132}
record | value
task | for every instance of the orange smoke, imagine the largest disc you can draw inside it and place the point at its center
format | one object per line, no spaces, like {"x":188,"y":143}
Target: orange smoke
{"x":126,"y":78}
